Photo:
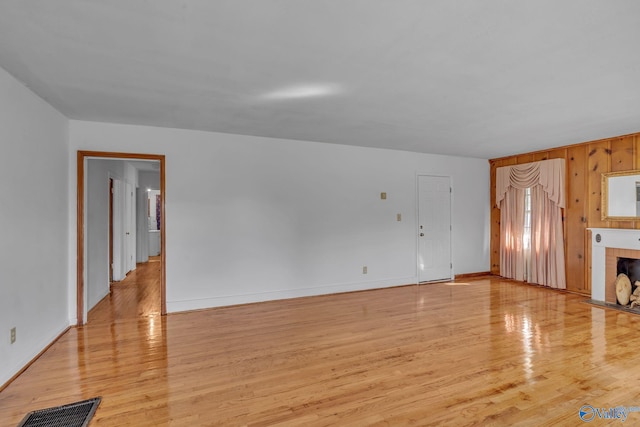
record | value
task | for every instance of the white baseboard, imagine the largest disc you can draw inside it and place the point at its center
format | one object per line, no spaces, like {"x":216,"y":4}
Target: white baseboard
{"x":221,"y":301}
{"x":91,"y":304}
{"x":32,"y":352}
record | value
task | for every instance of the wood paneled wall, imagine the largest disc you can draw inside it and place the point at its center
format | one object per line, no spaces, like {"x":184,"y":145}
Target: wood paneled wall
{"x":585,"y":164}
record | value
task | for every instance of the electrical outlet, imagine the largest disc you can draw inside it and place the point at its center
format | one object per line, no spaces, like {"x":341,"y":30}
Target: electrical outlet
{"x":398,"y":217}
{"x":364,"y":270}
{"x":13,"y":335}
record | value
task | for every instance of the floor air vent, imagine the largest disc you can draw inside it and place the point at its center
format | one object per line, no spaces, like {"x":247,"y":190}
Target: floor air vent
{"x":72,"y":415}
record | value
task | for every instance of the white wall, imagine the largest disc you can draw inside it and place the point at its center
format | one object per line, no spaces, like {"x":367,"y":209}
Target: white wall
{"x":147,"y":179}
{"x":33,"y":224}
{"x":251,"y":219}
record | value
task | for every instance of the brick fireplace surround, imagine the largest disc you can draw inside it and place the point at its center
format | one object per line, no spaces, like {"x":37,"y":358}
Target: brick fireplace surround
{"x":607,"y":245}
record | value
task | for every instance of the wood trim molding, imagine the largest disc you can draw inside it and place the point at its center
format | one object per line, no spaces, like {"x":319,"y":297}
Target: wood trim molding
{"x":578,"y":144}
{"x":110,"y":267}
{"x":80,"y":241}
{"x":470,"y":275}
{"x":163,"y":240}
{"x":80,"y":261}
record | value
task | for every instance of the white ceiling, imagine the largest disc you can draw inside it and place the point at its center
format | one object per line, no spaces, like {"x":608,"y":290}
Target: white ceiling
{"x":466,"y":77}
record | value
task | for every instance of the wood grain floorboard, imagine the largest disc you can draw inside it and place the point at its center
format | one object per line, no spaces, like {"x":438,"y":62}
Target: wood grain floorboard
{"x":485,"y":351}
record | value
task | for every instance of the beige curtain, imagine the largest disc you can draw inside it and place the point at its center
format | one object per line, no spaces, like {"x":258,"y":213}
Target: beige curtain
{"x":513,"y":258}
{"x":544,"y":263}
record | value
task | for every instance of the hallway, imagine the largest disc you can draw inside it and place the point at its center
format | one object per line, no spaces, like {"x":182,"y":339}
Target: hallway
{"x":137,"y":295}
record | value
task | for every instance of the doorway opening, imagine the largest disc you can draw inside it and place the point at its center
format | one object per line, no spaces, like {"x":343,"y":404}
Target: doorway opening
{"x":82,"y":202}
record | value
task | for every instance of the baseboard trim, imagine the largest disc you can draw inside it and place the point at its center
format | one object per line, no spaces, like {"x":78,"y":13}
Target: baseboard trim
{"x":470,"y":275}
{"x":92,"y":307}
{"x":292,"y":298}
{"x":229,"y":300}
{"x":32,"y":361}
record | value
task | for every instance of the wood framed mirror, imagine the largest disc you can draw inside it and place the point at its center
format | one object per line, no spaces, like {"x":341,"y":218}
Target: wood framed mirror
{"x":621,"y":196}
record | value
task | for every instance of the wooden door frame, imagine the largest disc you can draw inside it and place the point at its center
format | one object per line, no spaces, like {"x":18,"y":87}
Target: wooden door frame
{"x":110,"y":230}
{"x":80,"y":264}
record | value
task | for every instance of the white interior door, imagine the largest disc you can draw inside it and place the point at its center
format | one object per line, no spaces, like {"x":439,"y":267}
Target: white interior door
{"x":434,"y":228}
{"x":142,"y":226}
{"x":130,"y":228}
{"x":118,"y":230}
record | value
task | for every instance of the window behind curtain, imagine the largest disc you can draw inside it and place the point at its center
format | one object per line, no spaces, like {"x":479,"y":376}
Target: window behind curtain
{"x":526,"y":232}
{"x":531,"y":232}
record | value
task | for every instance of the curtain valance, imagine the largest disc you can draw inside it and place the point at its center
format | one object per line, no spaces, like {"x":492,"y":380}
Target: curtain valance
{"x":547,"y":173}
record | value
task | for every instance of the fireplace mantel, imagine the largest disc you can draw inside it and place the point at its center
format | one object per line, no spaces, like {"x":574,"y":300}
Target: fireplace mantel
{"x":601,"y":239}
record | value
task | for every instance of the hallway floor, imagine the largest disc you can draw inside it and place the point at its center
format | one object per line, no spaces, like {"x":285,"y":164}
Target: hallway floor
{"x":137,"y":295}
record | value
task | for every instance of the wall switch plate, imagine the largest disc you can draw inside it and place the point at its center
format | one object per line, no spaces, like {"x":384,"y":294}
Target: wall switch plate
{"x":13,"y":335}
{"x":398,"y":217}
{"x":364,"y":270}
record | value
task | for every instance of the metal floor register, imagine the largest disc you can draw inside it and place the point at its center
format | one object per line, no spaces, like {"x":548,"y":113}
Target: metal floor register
{"x":76,"y":414}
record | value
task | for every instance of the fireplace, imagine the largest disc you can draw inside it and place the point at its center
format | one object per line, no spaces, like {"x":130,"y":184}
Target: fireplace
{"x":620,"y":261}
{"x":608,"y":245}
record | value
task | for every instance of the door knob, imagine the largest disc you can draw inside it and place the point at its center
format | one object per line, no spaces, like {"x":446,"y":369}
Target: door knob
{"x":421,"y":234}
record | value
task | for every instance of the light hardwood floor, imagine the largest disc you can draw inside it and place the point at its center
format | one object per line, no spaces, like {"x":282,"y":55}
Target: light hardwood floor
{"x":484,"y":352}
